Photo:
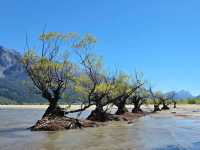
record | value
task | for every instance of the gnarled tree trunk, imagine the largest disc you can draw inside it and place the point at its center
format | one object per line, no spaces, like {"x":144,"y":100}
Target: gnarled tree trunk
{"x":174,"y":104}
{"x":156,"y":108}
{"x":54,"y":110}
{"x":98,"y":115}
{"x":165,"y":107}
{"x":121,"y":109}
{"x":136,"y":108}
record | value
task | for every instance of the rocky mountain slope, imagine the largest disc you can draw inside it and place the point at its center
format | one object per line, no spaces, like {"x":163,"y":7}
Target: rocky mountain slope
{"x":13,"y":79}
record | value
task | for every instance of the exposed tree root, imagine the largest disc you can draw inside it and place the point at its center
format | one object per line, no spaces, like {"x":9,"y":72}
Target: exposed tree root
{"x":54,"y":120}
{"x":61,"y":123}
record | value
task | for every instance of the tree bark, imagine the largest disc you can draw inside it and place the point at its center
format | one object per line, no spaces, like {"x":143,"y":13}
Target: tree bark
{"x":121,"y":109}
{"x":54,"y":110}
{"x":136,"y":108}
{"x":174,"y":104}
{"x":98,"y":115}
{"x":165,"y":107}
{"x":156,"y":108}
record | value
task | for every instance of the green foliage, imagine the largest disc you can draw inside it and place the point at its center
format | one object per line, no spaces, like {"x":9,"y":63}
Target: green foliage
{"x":121,"y":84}
{"x":82,"y":86}
{"x":51,"y":73}
{"x":84,"y":42}
{"x":192,"y":101}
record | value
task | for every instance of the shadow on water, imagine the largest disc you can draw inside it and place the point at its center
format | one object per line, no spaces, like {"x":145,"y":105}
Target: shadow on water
{"x":194,"y":146}
{"x":13,"y":130}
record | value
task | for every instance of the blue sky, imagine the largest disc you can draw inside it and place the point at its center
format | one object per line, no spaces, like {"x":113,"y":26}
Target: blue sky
{"x":161,"y":38}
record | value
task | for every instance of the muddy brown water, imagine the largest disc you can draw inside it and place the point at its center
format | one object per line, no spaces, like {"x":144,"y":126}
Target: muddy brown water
{"x":161,"y":131}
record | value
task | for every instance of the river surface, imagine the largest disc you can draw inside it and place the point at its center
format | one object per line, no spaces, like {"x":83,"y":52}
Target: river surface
{"x":161,"y":131}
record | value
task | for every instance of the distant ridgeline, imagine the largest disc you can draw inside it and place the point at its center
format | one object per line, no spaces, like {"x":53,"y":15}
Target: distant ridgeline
{"x":16,"y":88}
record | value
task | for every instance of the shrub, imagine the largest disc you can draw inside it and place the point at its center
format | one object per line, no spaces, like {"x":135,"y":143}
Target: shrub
{"x":192,"y":101}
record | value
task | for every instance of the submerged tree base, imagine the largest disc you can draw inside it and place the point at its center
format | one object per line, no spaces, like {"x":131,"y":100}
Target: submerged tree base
{"x":126,"y":116}
{"x":56,"y":123}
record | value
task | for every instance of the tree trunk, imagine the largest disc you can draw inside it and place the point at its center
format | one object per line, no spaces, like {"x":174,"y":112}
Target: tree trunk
{"x":121,"y":109}
{"x":98,"y":115}
{"x":156,"y":108}
{"x":165,"y":107}
{"x":174,"y":104}
{"x":54,"y":110}
{"x":136,"y":108}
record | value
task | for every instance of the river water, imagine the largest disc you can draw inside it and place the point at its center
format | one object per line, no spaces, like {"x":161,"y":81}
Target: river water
{"x":160,"y":131}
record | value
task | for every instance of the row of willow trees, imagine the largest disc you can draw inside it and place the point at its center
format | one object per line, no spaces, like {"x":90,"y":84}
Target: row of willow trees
{"x":65,"y":63}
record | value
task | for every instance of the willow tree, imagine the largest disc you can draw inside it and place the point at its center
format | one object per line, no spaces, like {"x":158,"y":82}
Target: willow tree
{"x":167,"y":99}
{"x":140,"y":96}
{"x":120,"y":92}
{"x":160,"y":98}
{"x":50,"y":72}
{"x":123,"y":88}
{"x":155,"y":97}
{"x":94,"y":84}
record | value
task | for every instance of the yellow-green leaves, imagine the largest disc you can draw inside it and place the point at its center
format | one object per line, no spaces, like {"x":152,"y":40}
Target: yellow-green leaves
{"x":58,"y":36}
{"x":86,"y":41}
{"x":82,"y":86}
{"x":121,"y":84}
{"x":29,"y":56}
{"x":102,"y":87}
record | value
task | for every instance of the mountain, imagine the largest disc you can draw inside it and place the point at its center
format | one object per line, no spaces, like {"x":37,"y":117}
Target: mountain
{"x":14,"y":83}
{"x":198,"y":97}
{"x":10,"y":63}
{"x":183,"y":94}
